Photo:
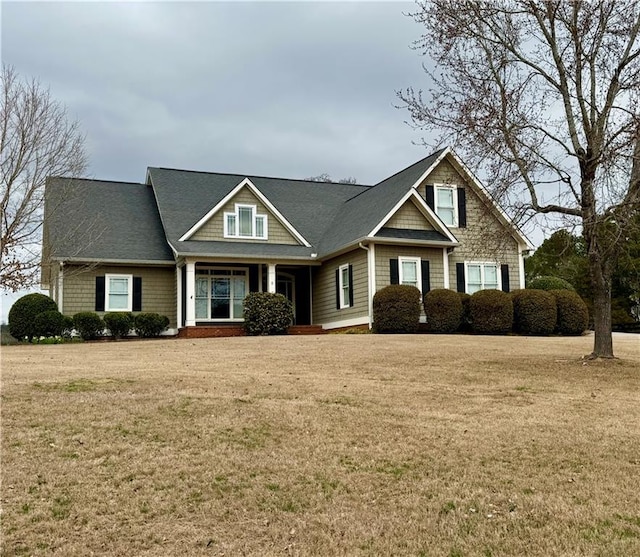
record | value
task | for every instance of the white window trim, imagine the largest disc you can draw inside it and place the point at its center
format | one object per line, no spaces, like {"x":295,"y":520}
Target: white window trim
{"x":482,"y":264}
{"x":456,"y":218}
{"x":418,"y":263}
{"x":254,"y":225}
{"x":107,"y":279}
{"x":213,"y":270}
{"x":343,"y":303}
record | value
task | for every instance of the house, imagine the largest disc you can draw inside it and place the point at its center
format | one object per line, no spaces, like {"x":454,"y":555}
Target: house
{"x":191,"y":245}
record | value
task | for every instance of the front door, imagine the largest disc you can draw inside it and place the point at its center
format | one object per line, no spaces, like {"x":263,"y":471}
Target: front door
{"x":285,"y":285}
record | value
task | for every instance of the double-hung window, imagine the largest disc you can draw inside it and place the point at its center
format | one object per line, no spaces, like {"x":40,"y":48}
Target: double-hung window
{"x":482,"y":276}
{"x":446,"y":204}
{"x":118,"y":292}
{"x":409,"y":271}
{"x":245,"y":222}
{"x":345,"y":289}
{"x":220,"y":293}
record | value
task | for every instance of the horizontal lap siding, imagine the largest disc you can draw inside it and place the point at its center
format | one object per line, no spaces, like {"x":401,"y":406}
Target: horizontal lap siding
{"x":485,"y":238}
{"x":385,"y":253}
{"x":158,"y":288}
{"x":324,"y":289}
{"x":214,"y":228}
{"x":409,"y":217}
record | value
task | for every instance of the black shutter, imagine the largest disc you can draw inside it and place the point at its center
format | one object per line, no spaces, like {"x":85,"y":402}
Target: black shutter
{"x":338,"y":288}
{"x":429,"y":197}
{"x":254,"y":283}
{"x":351,"y":286}
{"x":426,"y":279}
{"x":137,"y":294}
{"x":393,"y":271}
{"x":100,"y":293}
{"x":504,"y":271}
{"x":462,"y":208}
{"x":460,"y":277}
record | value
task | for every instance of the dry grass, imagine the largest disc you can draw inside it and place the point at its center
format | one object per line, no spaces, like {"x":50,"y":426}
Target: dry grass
{"x":330,"y":445}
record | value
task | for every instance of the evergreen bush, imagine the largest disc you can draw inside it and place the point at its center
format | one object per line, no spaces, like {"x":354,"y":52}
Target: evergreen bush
{"x":23,"y":313}
{"x":267,"y":313}
{"x":534,"y":312}
{"x":49,"y":324}
{"x":88,"y":324}
{"x":119,"y":323}
{"x":573,"y":315}
{"x":148,"y":325}
{"x":550,"y":283}
{"x":465,"y":321}
{"x":443,"y":309}
{"x":491,"y":312}
{"x":396,"y":309}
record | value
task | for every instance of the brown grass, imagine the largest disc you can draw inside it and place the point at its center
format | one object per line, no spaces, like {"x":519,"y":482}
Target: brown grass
{"x":330,"y":445}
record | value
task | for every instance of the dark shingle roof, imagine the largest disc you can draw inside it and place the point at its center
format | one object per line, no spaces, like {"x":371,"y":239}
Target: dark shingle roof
{"x":406,"y":234}
{"x":95,"y":219}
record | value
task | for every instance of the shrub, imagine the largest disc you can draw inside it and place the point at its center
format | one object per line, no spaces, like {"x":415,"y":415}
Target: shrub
{"x":443,"y":308}
{"x":573,"y":315}
{"x":23,"y":313}
{"x":534,"y":312}
{"x":67,"y":326}
{"x":396,"y":309}
{"x":465,"y":321}
{"x":49,"y":324}
{"x":149,"y":325}
{"x":119,"y":323}
{"x":266,"y":313}
{"x":88,"y":324}
{"x":491,"y":312}
{"x":550,"y":283}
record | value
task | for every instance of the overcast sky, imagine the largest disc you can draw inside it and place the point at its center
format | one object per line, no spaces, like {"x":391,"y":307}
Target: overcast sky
{"x":278,"y":89}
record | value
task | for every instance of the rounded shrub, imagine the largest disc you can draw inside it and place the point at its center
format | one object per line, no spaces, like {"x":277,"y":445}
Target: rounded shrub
{"x":491,"y":312}
{"x":443,"y":309}
{"x":119,"y":323}
{"x":396,"y":309}
{"x":534,"y":312}
{"x":23,"y":313}
{"x":67,"y":326}
{"x":148,"y":325}
{"x":267,"y":313}
{"x":550,"y":283}
{"x":49,"y":324}
{"x":88,"y":324}
{"x":573,"y":315}
{"x":465,"y":320}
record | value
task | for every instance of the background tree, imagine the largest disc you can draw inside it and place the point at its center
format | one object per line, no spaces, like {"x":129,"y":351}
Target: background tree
{"x":542,"y":98}
{"x":324,"y":177}
{"x":37,"y":140}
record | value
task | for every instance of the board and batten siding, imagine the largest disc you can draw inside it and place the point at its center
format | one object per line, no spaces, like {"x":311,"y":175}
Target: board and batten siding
{"x":409,"y":217}
{"x":324,"y":289}
{"x":213,"y":229}
{"x":485,"y":238}
{"x":158,"y":289}
{"x":386,"y":252}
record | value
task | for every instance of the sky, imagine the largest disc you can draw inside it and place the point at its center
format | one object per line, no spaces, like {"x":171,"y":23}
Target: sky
{"x":286,"y":89}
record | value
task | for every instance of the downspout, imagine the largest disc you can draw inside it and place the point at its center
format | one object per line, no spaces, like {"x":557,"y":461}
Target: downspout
{"x":371,"y":279}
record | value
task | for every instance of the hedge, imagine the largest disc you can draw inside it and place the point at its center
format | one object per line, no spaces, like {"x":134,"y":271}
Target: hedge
{"x":573,"y":315}
{"x":267,"y":313}
{"x":23,"y":313}
{"x":396,"y":309}
{"x":534,"y":312}
{"x":119,"y":323}
{"x":49,"y":324}
{"x":491,"y":312}
{"x":443,"y":309}
{"x":88,"y":324}
{"x":149,"y":325}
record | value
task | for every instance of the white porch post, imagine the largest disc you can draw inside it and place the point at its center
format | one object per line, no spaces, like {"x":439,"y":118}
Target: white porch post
{"x":271,"y":278}
{"x":191,"y":295}
{"x":179,"y":308}
{"x":371,"y":263}
{"x":60,"y":299}
{"x":445,"y":266}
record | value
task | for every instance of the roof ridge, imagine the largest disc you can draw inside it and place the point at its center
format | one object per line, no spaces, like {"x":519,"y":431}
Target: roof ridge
{"x":256,"y":176}
{"x":96,"y":180}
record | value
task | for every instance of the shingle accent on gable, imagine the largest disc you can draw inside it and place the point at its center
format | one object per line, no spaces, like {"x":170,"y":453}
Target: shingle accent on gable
{"x":409,"y":216}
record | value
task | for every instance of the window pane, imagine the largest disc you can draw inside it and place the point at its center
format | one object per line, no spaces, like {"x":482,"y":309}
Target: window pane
{"x":445,"y":198}
{"x":490,"y":276}
{"x":118,"y":285}
{"x":260,"y":227}
{"x":220,"y":309}
{"x":409,"y":272}
{"x":245,"y":216}
{"x":220,"y":288}
{"x":473,"y":274}
{"x":202,"y":287}
{"x":201,"y":308}
{"x":238,"y":309}
{"x":118,"y":301}
{"x":447,"y":216}
{"x":239,"y":288}
{"x":231,"y":225}
{"x":473,"y":288}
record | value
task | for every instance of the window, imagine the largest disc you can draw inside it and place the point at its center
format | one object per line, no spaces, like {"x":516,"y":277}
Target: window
{"x":118,"y":293}
{"x":482,"y":276}
{"x":245,"y":223}
{"x":409,"y":271}
{"x":344,"y":287}
{"x":446,"y":204}
{"x":220,"y":293}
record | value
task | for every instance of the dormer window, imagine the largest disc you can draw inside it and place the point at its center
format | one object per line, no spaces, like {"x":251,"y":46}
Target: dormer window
{"x":245,"y":223}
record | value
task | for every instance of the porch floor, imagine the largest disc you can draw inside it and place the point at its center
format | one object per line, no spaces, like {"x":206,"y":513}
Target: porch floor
{"x":212,"y":331}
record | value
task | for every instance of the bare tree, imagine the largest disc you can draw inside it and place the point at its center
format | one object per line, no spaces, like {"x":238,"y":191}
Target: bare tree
{"x":543,"y":99}
{"x":324,"y":177}
{"x":37,"y":140}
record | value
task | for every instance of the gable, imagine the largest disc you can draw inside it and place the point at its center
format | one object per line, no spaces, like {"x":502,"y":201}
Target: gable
{"x":409,"y":217}
{"x":213,"y":228}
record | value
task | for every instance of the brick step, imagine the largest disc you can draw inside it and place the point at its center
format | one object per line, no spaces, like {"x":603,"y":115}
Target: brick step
{"x":306,"y":330}
{"x":212,"y":331}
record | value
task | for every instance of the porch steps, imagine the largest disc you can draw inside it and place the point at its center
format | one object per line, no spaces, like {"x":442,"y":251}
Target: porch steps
{"x":306,"y":330}
{"x":206,"y":331}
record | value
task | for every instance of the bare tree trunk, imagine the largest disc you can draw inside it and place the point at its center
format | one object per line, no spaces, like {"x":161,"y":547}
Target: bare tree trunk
{"x":601,"y":286}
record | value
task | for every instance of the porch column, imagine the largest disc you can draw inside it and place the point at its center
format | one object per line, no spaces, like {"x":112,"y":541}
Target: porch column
{"x":179,"y":308}
{"x":191,"y":295}
{"x":271,"y":278}
{"x":371,"y":271}
{"x":445,"y":266}
{"x":60,"y":296}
